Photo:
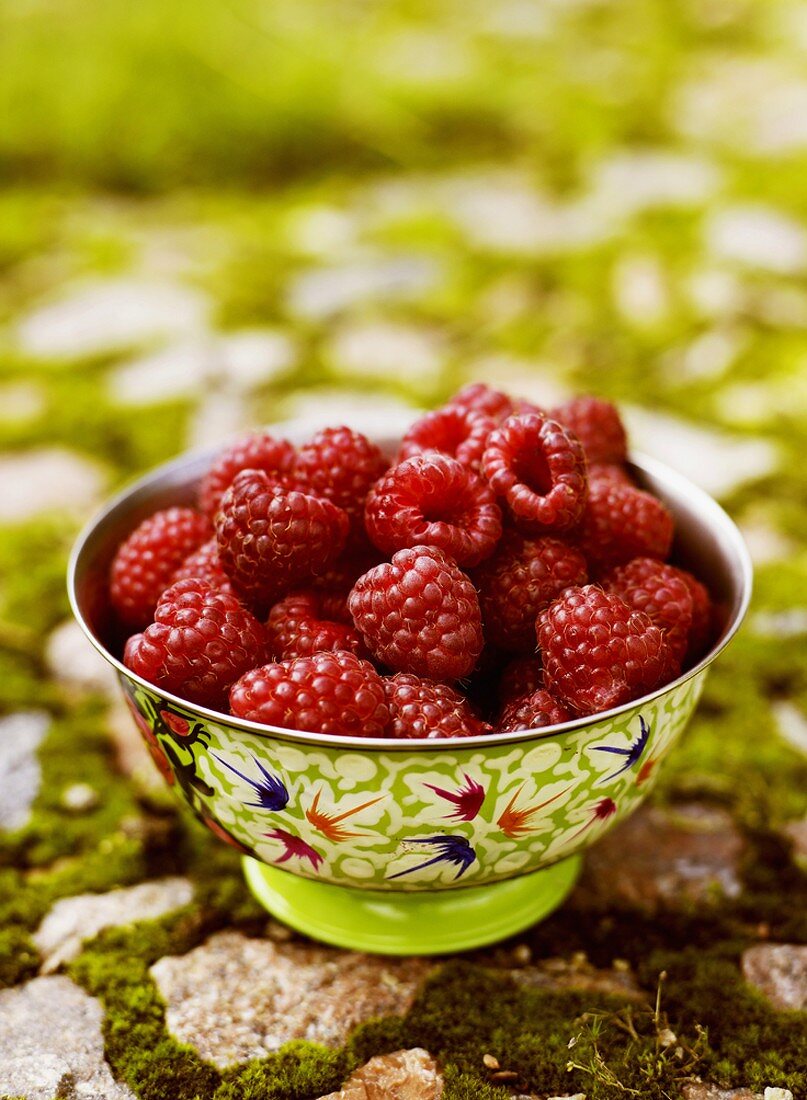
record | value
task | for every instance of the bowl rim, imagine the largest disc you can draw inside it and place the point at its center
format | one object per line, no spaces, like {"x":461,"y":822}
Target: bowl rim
{"x":708,"y":508}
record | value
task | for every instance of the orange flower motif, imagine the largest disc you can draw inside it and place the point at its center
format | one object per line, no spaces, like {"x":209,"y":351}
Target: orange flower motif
{"x":515,"y":823}
{"x":329,"y":824}
{"x":645,"y":772}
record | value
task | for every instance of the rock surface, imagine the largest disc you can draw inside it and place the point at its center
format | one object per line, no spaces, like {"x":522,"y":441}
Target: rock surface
{"x":51,"y":1044}
{"x":72,"y":660}
{"x":73,"y":920}
{"x":235,"y":998}
{"x":702,"y":1091}
{"x":402,"y":1075}
{"x":20,"y":774}
{"x":50,"y":478}
{"x":663,"y":859}
{"x":578,"y":973}
{"x":779,"y":970}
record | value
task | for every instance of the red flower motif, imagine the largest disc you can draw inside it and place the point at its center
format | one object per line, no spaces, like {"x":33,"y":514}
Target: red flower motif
{"x":161,"y":760}
{"x":222,"y":834}
{"x":177,"y":725}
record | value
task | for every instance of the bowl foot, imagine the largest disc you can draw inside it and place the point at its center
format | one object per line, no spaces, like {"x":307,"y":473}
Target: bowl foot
{"x":397,"y":923}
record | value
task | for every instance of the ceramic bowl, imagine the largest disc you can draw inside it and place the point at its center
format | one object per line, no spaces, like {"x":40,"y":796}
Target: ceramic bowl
{"x":411,"y":846}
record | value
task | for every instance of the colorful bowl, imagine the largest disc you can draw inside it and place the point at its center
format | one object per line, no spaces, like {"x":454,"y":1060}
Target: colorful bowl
{"x":411,"y":846}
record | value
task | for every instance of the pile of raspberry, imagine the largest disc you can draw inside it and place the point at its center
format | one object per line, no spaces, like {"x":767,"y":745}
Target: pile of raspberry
{"x":501,"y":572}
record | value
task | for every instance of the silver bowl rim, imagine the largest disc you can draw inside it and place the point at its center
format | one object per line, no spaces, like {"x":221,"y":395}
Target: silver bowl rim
{"x":708,"y":508}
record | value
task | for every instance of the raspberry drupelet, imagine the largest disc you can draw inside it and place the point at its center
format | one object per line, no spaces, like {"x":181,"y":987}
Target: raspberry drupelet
{"x":419,"y":613}
{"x":335,"y":693}
{"x":621,"y":522}
{"x":531,"y":711}
{"x":271,"y":539}
{"x":204,"y":563}
{"x":201,"y":641}
{"x":255,"y":451}
{"x":540,"y":470}
{"x":147,"y":560}
{"x":454,"y":431}
{"x":648,"y":585}
{"x":521,"y":579}
{"x":479,"y":397}
{"x":598,"y":426}
{"x":521,"y":676}
{"x":341,"y":466}
{"x":433,"y":500}
{"x":598,"y":653}
{"x":421,"y":709}
{"x":302,"y":624}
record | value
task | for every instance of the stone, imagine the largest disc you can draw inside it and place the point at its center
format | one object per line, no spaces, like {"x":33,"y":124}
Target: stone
{"x":47,"y":479}
{"x":777,"y":1094}
{"x":79,"y":798}
{"x":377,"y":415}
{"x":20,"y":774}
{"x":780,"y":624}
{"x":700,"y":1090}
{"x":631,"y":181}
{"x":796,"y":834}
{"x":72,"y":660}
{"x":578,"y":973}
{"x":51,"y":1044}
{"x":73,"y":920}
{"x":219,"y":416}
{"x":792,"y":724}
{"x":765,"y":543}
{"x":758,"y":237}
{"x":717,"y":461}
{"x":402,"y":1075}
{"x":234,"y":998}
{"x":323,"y":292}
{"x":779,"y":971}
{"x":640,"y":290}
{"x":378,"y":349}
{"x":663,"y":858}
{"x":534,"y":379}
{"x":102,"y":317}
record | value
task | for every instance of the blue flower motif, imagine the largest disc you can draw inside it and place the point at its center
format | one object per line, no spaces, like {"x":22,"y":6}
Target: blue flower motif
{"x":271,"y":791}
{"x":631,"y":754}
{"x":452,"y":850}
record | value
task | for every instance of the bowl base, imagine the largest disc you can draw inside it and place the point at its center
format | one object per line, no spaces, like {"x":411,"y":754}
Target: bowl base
{"x":433,"y":922}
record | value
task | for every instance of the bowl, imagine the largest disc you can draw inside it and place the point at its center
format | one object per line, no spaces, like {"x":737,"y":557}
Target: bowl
{"x":411,"y":847}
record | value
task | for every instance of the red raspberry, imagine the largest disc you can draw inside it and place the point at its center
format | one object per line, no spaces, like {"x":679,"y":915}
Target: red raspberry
{"x":326,"y":693}
{"x":201,"y":641}
{"x":598,"y":653}
{"x":204,"y":563}
{"x":419,"y":613}
{"x":454,"y":431}
{"x":256,"y":451}
{"x":648,"y":585}
{"x":609,"y":471}
{"x":424,"y":710}
{"x":621,"y":522}
{"x":341,"y":466}
{"x":700,"y":631}
{"x":433,"y":500}
{"x":299,"y":625}
{"x":145,"y":563}
{"x":478,"y":397}
{"x":540,"y":470}
{"x":597,"y":425}
{"x":530,"y":712}
{"x":522,"y":676}
{"x":521,"y":579}
{"x":271,"y":538}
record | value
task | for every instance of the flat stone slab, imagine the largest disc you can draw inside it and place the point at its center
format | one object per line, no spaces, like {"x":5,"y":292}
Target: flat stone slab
{"x":664,"y":858}
{"x":73,"y":920}
{"x":402,"y":1075}
{"x":702,"y":1091}
{"x":47,"y":479}
{"x":73,"y":661}
{"x":51,"y":1044}
{"x":235,"y":998}
{"x":779,"y":971}
{"x":20,"y":735}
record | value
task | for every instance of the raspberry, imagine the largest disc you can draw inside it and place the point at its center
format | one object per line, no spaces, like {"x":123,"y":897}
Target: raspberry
{"x":421,"y":709}
{"x":701,"y":629}
{"x":648,"y":585}
{"x":256,"y":451}
{"x":522,"y":676}
{"x":523,"y":578}
{"x":478,"y":397}
{"x":530,"y":712}
{"x":540,"y":470}
{"x":201,"y":641}
{"x":621,"y":522}
{"x":598,"y":653}
{"x":325,"y":693}
{"x":597,"y":425}
{"x":299,"y":625}
{"x":433,"y":500}
{"x":419,"y":613}
{"x":145,"y":563}
{"x":609,"y":471}
{"x":454,"y":431}
{"x":204,"y":563}
{"x":271,"y":538}
{"x":341,"y":466}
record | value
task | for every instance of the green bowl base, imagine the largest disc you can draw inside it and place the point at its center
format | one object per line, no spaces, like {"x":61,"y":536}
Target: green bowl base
{"x":433,"y":922}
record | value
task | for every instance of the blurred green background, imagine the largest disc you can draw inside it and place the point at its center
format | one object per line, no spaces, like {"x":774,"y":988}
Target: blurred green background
{"x":220,"y":214}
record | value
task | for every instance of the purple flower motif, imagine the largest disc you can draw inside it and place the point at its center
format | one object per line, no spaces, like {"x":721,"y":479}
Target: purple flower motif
{"x":632,"y":754}
{"x":295,"y":846}
{"x":271,"y":792}
{"x":467,"y":799}
{"x":452,"y":850}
